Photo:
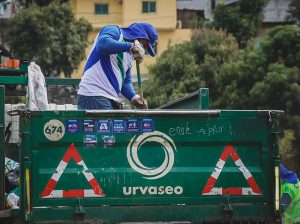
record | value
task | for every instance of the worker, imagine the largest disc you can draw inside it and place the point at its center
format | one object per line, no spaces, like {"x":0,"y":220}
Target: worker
{"x":290,"y":196}
{"x":107,"y":72}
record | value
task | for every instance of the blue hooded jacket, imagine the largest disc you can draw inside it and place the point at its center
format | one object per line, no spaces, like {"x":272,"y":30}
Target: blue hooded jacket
{"x":287,"y":175}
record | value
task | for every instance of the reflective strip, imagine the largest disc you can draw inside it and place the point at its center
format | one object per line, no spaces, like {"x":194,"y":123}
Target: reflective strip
{"x":215,"y":191}
{"x":54,"y":194}
{"x":49,"y":191}
{"x":59,"y":170}
{"x":72,"y":194}
{"x":88,"y":175}
{"x":71,"y":153}
{"x":243,"y":169}
{"x":251,"y":181}
{"x":218,"y":169}
{"x":209,"y":188}
{"x":231,"y":191}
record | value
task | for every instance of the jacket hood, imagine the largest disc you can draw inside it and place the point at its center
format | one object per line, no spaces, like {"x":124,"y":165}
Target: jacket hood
{"x":142,"y":31}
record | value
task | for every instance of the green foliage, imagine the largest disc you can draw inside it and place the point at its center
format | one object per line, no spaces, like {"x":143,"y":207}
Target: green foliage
{"x":282,"y":45}
{"x":186,"y":67}
{"x":39,"y":2}
{"x":278,"y":89}
{"x":172,"y":76}
{"x":242,"y":19}
{"x":295,"y":9}
{"x":267,"y":78}
{"x":237,"y":79}
{"x":287,"y":151}
{"x":50,"y":36}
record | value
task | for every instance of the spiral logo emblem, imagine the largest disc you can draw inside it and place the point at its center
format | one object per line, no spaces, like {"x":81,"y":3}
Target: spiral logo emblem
{"x":156,"y":136}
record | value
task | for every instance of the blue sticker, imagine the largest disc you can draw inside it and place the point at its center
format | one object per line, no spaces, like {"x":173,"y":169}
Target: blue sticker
{"x":132,"y":125}
{"x":108,"y":140}
{"x":103,"y":126}
{"x":89,"y":126}
{"x":72,"y":126}
{"x":90,"y":140}
{"x":119,"y":126}
{"x":147,"y":125}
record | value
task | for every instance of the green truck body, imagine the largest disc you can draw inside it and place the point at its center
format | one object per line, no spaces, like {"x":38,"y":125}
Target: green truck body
{"x":155,"y":165}
{"x":165,"y":165}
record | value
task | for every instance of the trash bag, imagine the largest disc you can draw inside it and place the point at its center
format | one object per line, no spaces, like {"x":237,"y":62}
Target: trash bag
{"x":37,"y":93}
{"x":10,"y":165}
{"x":13,"y":198}
{"x":12,"y":180}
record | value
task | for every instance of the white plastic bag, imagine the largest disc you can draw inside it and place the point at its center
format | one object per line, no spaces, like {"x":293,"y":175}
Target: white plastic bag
{"x":37,"y":93}
{"x":13,"y":198}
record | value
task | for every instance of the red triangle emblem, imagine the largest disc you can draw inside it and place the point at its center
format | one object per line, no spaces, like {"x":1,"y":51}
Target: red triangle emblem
{"x":209,"y":188}
{"x":49,"y":191}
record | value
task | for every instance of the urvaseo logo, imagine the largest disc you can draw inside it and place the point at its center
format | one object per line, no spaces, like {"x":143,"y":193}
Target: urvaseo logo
{"x":153,"y":190}
{"x":134,"y":161}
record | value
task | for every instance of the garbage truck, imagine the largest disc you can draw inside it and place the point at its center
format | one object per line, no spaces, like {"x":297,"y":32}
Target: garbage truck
{"x":185,"y":165}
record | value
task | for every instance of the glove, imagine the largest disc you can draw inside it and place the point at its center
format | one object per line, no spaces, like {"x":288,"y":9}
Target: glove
{"x":139,"y":102}
{"x":137,"y":51}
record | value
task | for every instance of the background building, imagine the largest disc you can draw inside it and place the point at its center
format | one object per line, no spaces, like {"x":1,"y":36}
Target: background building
{"x":160,"y":13}
{"x":190,"y":10}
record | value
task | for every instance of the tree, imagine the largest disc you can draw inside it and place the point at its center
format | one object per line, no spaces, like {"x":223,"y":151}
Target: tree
{"x":242,"y":19}
{"x":50,"y":36}
{"x":275,"y":63}
{"x":41,"y":3}
{"x":295,"y":9}
{"x":268,"y":77}
{"x":186,"y":67}
{"x":282,"y":46}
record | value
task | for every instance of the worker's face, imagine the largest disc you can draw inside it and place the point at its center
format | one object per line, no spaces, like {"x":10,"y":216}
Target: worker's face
{"x":144,"y":42}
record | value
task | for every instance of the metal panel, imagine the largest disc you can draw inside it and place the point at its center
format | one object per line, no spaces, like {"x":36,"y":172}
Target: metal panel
{"x":138,"y":172}
{"x":203,"y":98}
{"x":195,"y":100}
{"x":2,"y":156}
{"x":23,"y":80}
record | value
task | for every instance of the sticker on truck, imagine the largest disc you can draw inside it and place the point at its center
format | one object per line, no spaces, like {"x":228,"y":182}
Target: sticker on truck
{"x":54,"y":130}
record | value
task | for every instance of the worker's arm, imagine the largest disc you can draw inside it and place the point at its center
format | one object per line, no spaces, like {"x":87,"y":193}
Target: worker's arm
{"x":128,"y":92}
{"x":108,"y":41}
{"x":127,"y":88}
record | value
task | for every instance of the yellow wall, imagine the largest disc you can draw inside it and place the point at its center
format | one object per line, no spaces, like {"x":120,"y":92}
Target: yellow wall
{"x":86,"y":9}
{"x":164,"y":20}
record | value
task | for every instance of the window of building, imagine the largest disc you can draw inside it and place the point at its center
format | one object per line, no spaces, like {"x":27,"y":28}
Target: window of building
{"x":101,"y":9}
{"x":148,"y":6}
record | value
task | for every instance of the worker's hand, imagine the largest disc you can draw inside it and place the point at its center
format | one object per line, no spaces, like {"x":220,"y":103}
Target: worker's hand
{"x":139,"y":102}
{"x":138,"y":52}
